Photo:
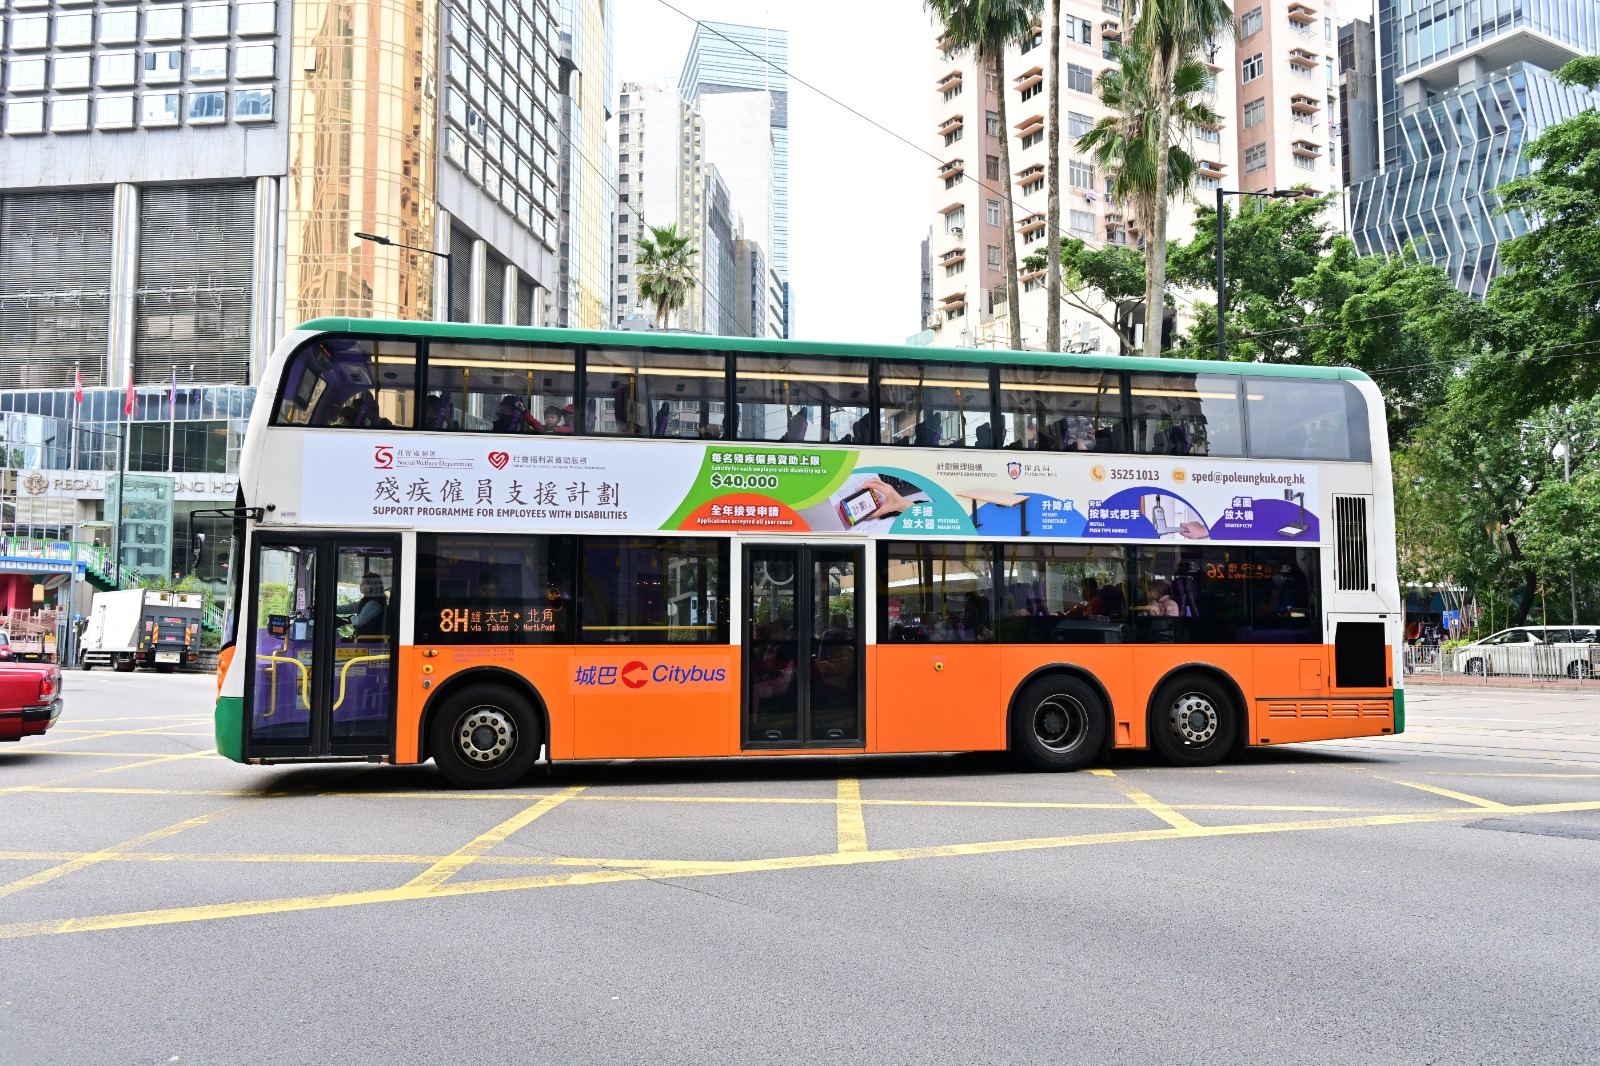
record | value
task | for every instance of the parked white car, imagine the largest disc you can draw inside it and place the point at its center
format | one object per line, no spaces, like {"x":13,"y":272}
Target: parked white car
{"x":1540,"y":651}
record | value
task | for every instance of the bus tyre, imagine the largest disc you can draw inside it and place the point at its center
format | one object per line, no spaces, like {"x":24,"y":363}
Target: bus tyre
{"x":1058,"y":723}
{"x":1193,"y":721}
{"x":485,"y":736}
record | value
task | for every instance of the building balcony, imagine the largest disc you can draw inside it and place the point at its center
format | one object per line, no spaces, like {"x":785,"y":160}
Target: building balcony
{"x":1306,"y":150}
{"x":954,"y":299}
{"x":948,"y":82}
{"x":1031,"y":227}
{"x":1031,"y":124}
{"x":1302,"y":14}
{"x":1303,"y":104}
{"x":1028,"y":79}
{"x":1111,"y":29}
{"x":1113,"y":218}
{"x":951,"y":124}
{"x":953,"y":256}
{"x":1033,"y":170}
{"x":1210,"y":167}
{"x":1303,"y":57}
{"x":953,"y":169}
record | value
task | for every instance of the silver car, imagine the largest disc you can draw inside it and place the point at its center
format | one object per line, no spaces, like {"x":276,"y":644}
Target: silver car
{"x":1539,"y":651}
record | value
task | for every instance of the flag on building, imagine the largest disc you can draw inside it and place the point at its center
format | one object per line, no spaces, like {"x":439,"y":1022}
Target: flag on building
{"x":77,"y":381}
{"x":172,"y":394}
{"x":131,"y":404}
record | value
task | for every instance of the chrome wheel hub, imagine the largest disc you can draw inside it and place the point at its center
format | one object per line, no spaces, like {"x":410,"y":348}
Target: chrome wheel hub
{"x":1059,"y":723}
{"x":485,"y":735}
{"x":1194,"y":718}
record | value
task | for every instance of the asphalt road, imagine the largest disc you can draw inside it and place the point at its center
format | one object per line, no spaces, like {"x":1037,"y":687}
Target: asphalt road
{"x":1428,"y":898}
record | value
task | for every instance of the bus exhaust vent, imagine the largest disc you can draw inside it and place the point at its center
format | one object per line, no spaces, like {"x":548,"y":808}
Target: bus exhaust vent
{"x":1350,"y":544}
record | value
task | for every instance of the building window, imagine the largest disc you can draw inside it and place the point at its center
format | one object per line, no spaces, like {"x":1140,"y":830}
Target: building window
{"x":26,"y":74}
{"x":116,"y":68}
{"x":208,"y":64}
{"x":1206,"y":133}
{"x":1254,"y":67}
{"x":991,"y":212}
{"x":159,"y":109}
{"x":1080,"y":79}
{"x":163,"y":66}
{"x":163,"y":23}
{"x":1250,"y":23}
{"x":991,"y":123}
{"x":954,"y":220}
{"x":994,"y":257}
{"x":30,"y":32}
{"x":255,"y":61}
{"x":991,"y":81}
{"x":1033,"y":90}
{"x":69,"y":113}
{"x":255,"y":105}
{"x":953,"y":180}
{"x":207,"y":107}
{"x":25,"y":116}
{"x":1033,"y":138}
{"x":1078,"y":125}
{"x":113,"y":112}
{"x":1255,"y":157}
{"x":622,"y":279}
{"x":991,"y":167}
{"x":74,"y":30}
{"x":255,"y":19}
{"x":952,"y":92}
{"x":208,"y":20}
{"x":119,"y":26}
{"x":1305,"y":162}
{"x":1205,"y":181}
{"x":1032,"y":186}
{"x":1030,"y":43}
{"x":1327,"y":29}
{"x":1080,"y":175}
{"x":950,"y":138}
{"x":1255,"y":112}
{"x":1081,"y":223}
{"x":70,"y":72}
{"x":955,"y":268}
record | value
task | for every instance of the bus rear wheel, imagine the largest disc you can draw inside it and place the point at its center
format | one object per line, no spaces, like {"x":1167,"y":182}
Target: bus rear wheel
{"x":1058,"y":723}
{"x":485,"y":736}
{"x":1193,"y":721}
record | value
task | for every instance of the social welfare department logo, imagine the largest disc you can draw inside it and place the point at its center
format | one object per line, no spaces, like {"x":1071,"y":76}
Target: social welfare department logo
{"x":383,"y":457}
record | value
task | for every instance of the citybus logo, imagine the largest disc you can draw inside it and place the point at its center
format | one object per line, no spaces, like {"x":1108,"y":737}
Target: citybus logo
{"x":636,"y":674}
{"x":383,"y":457}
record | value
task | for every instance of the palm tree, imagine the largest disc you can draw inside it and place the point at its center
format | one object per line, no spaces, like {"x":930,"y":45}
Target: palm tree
{"x":1052,"y":210}
{"x":665,"y":270}
{"x":1124,"y":144}
{"x":1171,"y":33}
{"x":987,"y":26}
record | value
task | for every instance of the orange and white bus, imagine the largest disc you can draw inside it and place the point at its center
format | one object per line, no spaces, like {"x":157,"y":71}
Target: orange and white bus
{"x":486,"y":545}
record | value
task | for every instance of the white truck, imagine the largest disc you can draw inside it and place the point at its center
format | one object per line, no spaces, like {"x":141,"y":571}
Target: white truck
{"x":142,"y":627}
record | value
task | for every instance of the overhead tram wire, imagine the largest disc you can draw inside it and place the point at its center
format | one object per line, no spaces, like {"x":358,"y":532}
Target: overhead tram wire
{"x":645,"y":222}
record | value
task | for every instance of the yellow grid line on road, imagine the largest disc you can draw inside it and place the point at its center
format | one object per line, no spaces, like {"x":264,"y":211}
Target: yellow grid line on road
{"x":464,"y":856}
{"x":1448,"y":793}
{"x":413,"y":892}
{"x":851,"y":823}
{"x":1147,"y":802}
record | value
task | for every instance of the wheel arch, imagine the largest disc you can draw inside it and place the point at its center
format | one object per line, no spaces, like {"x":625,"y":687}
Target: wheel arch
{"x":1214,"y":673}
{"x":479,"y":675}
{"x":1062,"y":670}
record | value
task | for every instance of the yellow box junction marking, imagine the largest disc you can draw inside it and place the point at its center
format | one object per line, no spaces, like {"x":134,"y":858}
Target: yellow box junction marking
{"x":852,"y":824}
{"x":468,"y":853}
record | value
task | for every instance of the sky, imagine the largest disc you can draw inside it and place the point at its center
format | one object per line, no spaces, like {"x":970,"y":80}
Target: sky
{"x":858,"y":198}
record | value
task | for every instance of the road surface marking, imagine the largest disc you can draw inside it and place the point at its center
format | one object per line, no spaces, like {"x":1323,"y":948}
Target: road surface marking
{"x":852,"y":825}
{"x":464,"y":856}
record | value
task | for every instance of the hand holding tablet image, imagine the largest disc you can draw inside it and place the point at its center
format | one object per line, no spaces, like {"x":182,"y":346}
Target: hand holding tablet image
{"x":867,"y":502}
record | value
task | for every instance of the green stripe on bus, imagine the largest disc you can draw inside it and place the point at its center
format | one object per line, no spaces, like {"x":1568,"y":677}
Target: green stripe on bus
{"x":230,"y":727}
{"x":541,"y":335}
{"x":1399,"y":710}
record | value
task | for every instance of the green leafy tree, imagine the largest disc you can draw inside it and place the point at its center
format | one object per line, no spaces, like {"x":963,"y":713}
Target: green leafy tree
{"x":987,"y":27}
{"x":1094,"y":279}
{"x":664,"y":267}
{"x":1546,"y":304}
{"x":1173,"y":33}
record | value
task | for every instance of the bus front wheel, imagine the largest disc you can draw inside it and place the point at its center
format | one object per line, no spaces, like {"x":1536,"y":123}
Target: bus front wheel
{"x":1193,"y":721}
{"x":485,"y":736}
{"x":1058,"y":723}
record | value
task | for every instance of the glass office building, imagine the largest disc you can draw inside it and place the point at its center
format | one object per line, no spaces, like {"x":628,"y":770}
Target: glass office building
{"x":1464,"y":85}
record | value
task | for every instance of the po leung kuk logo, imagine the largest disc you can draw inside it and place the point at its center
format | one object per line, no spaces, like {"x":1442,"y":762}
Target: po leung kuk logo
{"x":1014,"y":469}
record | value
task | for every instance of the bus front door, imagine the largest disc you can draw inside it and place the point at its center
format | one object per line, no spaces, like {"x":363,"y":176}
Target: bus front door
{"x":803,"y":656}
{"x":324,"y":627}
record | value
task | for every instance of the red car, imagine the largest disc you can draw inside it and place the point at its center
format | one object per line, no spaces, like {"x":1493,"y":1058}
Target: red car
{"x":30,"y":698}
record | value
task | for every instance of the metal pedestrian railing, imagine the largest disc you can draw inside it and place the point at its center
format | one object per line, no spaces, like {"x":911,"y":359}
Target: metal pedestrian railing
{"x":1575,"y":664}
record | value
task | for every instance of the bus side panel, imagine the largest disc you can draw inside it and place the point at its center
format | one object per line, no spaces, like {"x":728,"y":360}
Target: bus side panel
{"x":1294,"y":700}
{"x":546,"y":669}
{"x":673,"y":712}
{"x":936,"y":697}
{"x":1153,"y":662}
{"x":230,"y":727}
{"x":1110,"y":664}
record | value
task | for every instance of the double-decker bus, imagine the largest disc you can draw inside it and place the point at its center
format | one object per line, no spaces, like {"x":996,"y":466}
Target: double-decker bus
{"x":480,"y":544}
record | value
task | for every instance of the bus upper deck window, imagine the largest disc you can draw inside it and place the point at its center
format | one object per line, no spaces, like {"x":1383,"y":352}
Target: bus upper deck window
{"x":1186,"y":414}
{"x":1299,"y":419}
{"x":500,"y":388}
{"x":1061,"y":409}
{"x":354,"y":382}
{"x":645,"y":392}
{"x":806,"y":399}
{"x":938,"y":405}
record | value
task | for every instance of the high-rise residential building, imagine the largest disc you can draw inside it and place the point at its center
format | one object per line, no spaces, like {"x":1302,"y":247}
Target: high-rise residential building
{"x":663,"y":178}
{"x":182,"y":182}
{"x":967,"y":251}
{"x":1285,"y":58}
{"x":1463,"y":86}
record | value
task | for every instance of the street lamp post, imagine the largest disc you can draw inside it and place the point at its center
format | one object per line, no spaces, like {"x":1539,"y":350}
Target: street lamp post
{"x":1563,"y":451}
{"x":377,"y":238}
{"x":1222,"y":280}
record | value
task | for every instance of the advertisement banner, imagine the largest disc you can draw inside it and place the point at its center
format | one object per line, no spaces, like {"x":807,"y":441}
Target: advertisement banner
{"x":585,"y":485}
